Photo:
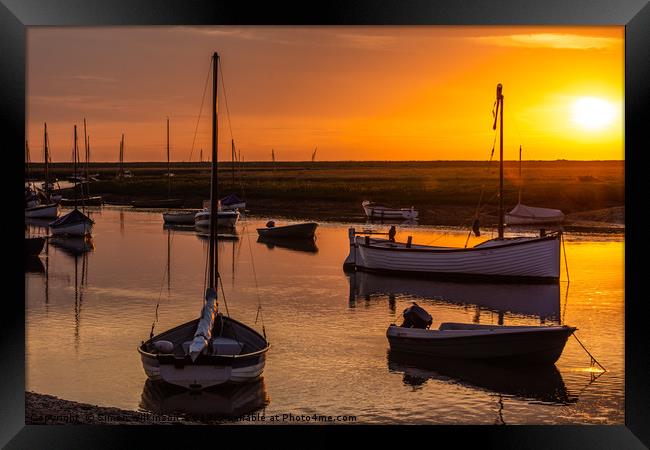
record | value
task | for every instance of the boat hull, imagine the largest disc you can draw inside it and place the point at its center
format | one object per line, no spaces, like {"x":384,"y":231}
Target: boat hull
{"x":300,"y":231}
{"x":530,"y":259}
{"x":234,"y":206}
{"x":225,"y":219}
{"x":179,"y":217}
{"x":76,"y":229}
{"x":34,"y":246}
{"x":520,"y":220}
{"x":88,"y":201}
{"x":543,"y":345}
{"x":43,"y":211}
{"x":207,"y":370}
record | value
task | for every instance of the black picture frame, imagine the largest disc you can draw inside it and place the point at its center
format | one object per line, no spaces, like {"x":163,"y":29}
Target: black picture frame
{"x":16,"y":15}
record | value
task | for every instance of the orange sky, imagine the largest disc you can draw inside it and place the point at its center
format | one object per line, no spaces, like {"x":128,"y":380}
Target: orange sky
{"x":356,"y":93}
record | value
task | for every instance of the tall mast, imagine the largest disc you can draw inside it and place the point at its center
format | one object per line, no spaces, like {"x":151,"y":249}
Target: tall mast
{"x":169,"y":175}
{"x":501,"y":211}
{"x":27,"y":159}
{"x":520,"y":179}
{"x":75,"y":167}
{"x":46,"y":157}
{"x":214,"y":195}
{"x":122,"y":156}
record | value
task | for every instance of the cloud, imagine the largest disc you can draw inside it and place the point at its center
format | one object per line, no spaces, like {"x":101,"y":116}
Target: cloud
{"x":551,"y":40}
{"x":92,"y":78}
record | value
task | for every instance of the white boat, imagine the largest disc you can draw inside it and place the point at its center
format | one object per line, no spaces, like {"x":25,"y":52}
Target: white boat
{"x":506,"y":259}
{"x":225,"y":219}
{"x":376,"y":211}
{"x":532,"y":215}
{"x":232,"y":202}
{"x":42,"y":211}
{"x":213,"y":349}
{"x":499,"y":259}
{"x":180,"y":217}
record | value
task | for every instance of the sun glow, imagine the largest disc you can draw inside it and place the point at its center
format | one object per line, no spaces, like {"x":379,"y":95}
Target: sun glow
{"x":592,"y":113}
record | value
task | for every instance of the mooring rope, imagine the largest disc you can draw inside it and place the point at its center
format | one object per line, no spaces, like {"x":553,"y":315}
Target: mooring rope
{"x":593,"y":360}
{"x":162,"y":285}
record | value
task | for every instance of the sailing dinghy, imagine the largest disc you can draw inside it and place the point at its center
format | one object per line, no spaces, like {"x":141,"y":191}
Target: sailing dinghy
{"x":501,"y":259}
{"x":213,"y":349}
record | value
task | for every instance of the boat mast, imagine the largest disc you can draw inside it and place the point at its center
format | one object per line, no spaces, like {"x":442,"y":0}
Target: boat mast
{"x":75,"y":167}
{"x":86,"y":149}
{"x":232,"y":151}
{"x":500,"y":113}
{"x":214,"y":195}
{"x":169,"y":175}
{"x":520,"y":179}
{"x":46,"y":157}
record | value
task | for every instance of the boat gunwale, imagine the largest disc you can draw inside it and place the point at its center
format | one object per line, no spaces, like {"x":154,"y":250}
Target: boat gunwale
{"x":176,"y":359}
{"x":555,"y":236}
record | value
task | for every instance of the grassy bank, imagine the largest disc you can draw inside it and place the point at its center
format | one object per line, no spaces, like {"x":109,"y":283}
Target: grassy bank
{"x":445,"y":192}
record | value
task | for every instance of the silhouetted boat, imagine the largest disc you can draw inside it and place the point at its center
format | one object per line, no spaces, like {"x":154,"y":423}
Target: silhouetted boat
{"x":213,"y":349}
{"x":296,"y":231}
{"x":299,"y":245}
{"x":180,"y":217}
{"x":33,"y":264}
{"x":73,"y":245}
{"x":86,"y":201}
{"x":539,"y":383}
{"x":530,"y":344}
{"x":225,"y":219}
{"x":34,"y":245}
{"x":222,"y":402}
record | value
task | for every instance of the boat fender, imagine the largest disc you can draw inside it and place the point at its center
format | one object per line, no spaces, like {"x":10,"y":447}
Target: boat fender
{"x":163,"y":346}
{"x":416,"y":317}
{"x":270,"y":224}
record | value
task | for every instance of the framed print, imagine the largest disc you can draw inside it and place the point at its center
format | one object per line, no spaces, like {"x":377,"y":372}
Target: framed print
{"x":338,"y":217}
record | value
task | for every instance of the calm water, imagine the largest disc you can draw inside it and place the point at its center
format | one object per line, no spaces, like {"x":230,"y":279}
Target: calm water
{"x":87,"y":309}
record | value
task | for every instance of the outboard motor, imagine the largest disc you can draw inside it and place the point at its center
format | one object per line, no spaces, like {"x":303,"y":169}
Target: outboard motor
{"x":416,"y":317}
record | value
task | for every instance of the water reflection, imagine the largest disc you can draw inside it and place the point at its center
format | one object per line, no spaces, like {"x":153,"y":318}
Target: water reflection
{"x":73,"y":245}
{"x":542,"y":384}
{"x":538,"y":300}
{"x":298,"y":245}
{"x":33,"y":264}
{"x":222,"y":402}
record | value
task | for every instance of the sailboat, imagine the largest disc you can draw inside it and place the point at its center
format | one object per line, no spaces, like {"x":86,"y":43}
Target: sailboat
{"x":84,"y":182}
{"x":213,"y":349}
{"x":38,"y":204}
{"x":535,"y":259}
{"x":532,"y":215}
{"x":74,"y":223}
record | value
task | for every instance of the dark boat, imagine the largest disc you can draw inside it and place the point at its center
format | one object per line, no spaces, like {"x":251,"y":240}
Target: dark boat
{"x":33,"y":264}
{"x":530,"y":344}
{"x":34,"y":245}
{"x":73,"y":245}
{"x":159,"y":203}
{"x":296,"y":231}
{"x":538,"y":383}
{"x":298,"y":245}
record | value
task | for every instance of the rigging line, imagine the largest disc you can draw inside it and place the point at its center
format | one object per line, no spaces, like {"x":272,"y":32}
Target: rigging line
{"x":257,"y":289}
{"x":225,"y":97}
{"x":205,"y":88}
{"x":566,"y":264}
{"x":162,"y":285}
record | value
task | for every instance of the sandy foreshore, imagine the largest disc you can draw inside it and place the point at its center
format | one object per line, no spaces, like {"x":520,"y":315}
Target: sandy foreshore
{"x":43,"y":409}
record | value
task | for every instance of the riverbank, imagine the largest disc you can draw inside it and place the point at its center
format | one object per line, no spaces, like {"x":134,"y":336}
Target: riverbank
{"x":42,"y":409}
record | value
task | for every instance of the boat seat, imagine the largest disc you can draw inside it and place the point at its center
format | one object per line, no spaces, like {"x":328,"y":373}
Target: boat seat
{"x":226,"y":346}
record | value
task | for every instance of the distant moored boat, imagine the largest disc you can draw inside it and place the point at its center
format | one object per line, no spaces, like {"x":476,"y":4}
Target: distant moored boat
{"x":376,"y":211}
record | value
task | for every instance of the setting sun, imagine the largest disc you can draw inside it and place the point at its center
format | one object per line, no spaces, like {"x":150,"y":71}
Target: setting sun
{"x":593,"y":113}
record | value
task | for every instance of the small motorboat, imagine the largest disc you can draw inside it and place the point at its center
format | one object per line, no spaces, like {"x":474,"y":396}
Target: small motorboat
{"x":75,"y":223}
{"x":298,"y":230}
{"x":180,"y":216}
{"x":225,"y":219}
{"x":376,"y":211}
{"x":530,"y":344}
{"x":95,"y":200}
{"x":34,"y":245}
